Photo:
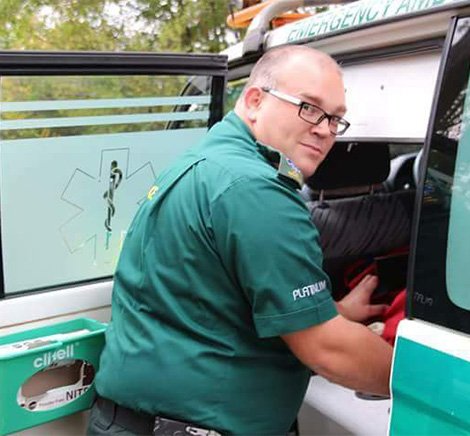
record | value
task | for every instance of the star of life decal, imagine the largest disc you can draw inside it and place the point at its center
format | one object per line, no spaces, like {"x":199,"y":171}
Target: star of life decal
{"x":105,"y":203}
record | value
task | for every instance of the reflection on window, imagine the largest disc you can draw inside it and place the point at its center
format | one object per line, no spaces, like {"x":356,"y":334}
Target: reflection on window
{"x":458,"y":274}
{"x":234,"y":89}
{"x":441,"y":276}
{"x":397,"y":149}
{"x":78,"y":105}
{"x":77,"y":156}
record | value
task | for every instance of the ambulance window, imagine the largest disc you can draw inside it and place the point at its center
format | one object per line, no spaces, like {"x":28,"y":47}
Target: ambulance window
{"x":78,"y":154}
{"x":234,"y":89}
{"x":196,"y":86}
{"x":441,"y":276}
{"x":398,"y":149}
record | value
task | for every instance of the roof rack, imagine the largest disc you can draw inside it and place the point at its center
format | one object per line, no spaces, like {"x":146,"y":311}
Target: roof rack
{"x":261,"y":14}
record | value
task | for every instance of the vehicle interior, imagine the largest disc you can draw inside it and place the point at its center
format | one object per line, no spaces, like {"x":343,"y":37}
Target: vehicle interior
{"x":363,"y":213}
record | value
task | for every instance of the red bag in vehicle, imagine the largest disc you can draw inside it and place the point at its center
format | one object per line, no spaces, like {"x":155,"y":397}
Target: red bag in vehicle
{"x":393,"y":315}
{"x":395,"y":297}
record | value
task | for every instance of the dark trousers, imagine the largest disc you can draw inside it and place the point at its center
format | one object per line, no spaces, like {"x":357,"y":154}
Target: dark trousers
{"x":102,"y":422}
{"x":107,"y":418}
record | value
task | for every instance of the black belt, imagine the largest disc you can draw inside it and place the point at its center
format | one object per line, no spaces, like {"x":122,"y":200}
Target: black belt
{"x":142,"y":423}
{"x":136,"y":422}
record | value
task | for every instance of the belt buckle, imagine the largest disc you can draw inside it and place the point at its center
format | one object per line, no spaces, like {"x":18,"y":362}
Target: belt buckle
{"x":170,"y":427}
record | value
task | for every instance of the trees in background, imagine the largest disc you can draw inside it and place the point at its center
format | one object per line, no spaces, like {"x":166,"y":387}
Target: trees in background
{"x":114,"y":25}
{"x":191,"y":26}
{"x":117,"y":25}
{"x":103,"y":25}
{"x":185,"y":25}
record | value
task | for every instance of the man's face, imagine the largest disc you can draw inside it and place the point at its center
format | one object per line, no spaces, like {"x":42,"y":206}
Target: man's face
{"x":278,"y":125}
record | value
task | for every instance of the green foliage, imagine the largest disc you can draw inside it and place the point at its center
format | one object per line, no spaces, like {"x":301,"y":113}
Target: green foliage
{"x":185,"y":25}
{"x":111,"y":25}
{"x":53,"y":25}
{"x":191,"y":26}
{"x":103,"y":25}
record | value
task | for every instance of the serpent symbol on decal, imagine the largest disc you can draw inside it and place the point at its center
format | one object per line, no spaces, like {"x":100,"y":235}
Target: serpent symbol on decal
{"x":115,"y":178}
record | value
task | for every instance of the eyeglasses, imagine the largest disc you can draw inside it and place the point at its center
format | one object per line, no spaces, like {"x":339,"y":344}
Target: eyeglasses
{"x":311,"y":113}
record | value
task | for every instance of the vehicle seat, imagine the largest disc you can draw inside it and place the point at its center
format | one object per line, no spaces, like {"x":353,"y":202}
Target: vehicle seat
{"x":348,"y":204}
{"x":401,"y":174}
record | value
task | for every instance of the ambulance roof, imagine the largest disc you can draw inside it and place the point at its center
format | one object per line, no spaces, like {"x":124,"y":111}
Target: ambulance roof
{"x":352,"y":16}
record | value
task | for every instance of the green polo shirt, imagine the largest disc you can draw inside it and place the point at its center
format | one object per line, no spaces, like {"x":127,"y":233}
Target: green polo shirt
{"x":219,"y":262}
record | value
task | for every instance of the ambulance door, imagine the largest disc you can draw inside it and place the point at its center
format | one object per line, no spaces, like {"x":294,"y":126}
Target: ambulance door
{"x":431,"y":369}
{"x":82,"y":138}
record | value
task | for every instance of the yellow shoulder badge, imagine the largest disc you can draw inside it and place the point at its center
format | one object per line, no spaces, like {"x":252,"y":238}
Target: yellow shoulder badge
{"x":288,"y":169}
{"x":152,"y":192}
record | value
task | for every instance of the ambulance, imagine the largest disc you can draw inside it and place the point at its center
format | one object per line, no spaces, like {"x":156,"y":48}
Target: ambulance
{"x":82,"y":135}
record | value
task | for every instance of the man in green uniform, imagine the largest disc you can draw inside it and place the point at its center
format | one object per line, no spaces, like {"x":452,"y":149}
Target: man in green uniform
{"x":220,"y":305}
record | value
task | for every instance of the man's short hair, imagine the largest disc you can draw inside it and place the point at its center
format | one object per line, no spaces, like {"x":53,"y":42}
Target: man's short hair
{"x":266,"y":70}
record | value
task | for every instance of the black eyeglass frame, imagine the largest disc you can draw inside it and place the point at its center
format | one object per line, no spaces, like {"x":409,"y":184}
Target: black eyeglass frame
{"x":302,"y":104}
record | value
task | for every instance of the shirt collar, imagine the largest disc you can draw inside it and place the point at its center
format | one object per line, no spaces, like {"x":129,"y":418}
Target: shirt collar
{"x":286,"y":169}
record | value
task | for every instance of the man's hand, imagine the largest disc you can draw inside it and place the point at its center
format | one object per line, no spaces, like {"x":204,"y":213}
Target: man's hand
{"x":356,"y":305}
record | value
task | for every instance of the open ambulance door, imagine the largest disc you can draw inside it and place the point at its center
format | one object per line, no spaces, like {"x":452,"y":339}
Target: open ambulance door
{"x":431,"y":368}
{"x":82,"y":137}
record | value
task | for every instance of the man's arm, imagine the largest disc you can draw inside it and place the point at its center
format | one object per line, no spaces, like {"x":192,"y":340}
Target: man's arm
{"x":346,"y":353}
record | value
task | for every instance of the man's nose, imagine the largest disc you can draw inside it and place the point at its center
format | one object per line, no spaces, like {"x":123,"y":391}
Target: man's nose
{"x":322,"y":128}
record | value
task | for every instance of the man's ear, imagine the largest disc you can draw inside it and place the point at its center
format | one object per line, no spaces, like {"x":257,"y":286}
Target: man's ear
{"x":252,"y":99}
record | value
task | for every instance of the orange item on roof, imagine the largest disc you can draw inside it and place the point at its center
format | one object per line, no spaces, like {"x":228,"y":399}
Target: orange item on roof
{"x":288,"y":18}
{"x":244,"y":17}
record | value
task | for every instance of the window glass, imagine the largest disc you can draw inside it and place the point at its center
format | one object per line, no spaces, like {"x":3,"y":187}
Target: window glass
{"x":403,"y":148}
{"x":458,"y":273}
{"x":441,"y":279}
{"x":234,"y":89}
{"x":77,"y":156}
